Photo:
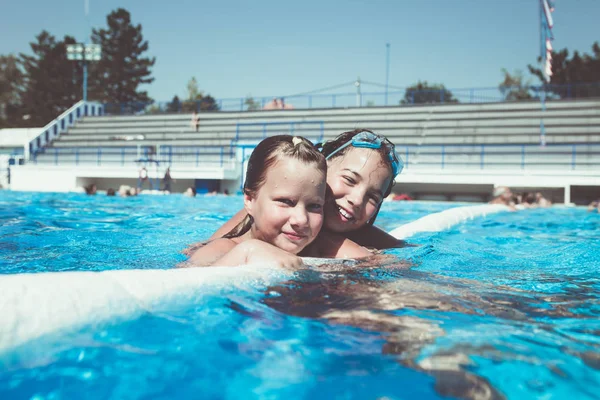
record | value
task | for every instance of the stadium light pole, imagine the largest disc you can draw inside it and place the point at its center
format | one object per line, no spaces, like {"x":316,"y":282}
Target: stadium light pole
{"x":358,"y":94}
{"x":84,"y":52}
{"x":387,"y":71}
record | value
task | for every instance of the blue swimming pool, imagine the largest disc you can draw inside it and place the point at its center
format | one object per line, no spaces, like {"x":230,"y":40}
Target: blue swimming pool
{"x":501,"y":306}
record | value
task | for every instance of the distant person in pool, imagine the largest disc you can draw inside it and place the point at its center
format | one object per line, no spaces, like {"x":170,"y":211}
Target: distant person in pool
{"x":361,"y":167}
{"x":190,"y":192}
{"x":594,"y":206}
{"x":541,"y":201}
{"x":284,"y":200}
{"x":503,"y":195}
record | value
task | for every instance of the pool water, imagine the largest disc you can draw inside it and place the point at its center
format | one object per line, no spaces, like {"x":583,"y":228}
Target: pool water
{"x":504,"y":306}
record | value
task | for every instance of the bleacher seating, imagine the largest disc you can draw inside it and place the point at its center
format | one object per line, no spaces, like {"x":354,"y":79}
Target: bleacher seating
{"x":494,"y":135}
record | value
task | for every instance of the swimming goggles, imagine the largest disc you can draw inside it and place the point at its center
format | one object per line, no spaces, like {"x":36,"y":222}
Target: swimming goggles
{"x":369,"y":140}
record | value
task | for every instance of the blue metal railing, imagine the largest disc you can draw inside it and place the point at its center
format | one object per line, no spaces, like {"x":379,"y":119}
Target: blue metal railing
{"x":217,"y":156}
{"x":395,"y":97}
{"x":477,"y":156}
{"x":512,"y":156}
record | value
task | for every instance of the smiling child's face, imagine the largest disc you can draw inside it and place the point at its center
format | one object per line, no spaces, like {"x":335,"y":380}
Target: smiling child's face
{"x":288,"y":208}
{"x":357,"y":182}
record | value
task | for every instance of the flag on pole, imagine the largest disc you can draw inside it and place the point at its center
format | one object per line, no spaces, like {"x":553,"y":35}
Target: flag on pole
{"x":547,"y":37}
{"x":548,"y":13}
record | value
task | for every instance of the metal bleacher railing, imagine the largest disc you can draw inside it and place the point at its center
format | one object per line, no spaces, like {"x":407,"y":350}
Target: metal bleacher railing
{"x":486,"y":156}
{"x":189,"y":156}
{"x":394,"y":97}
{"x":509,"y":156}
{"x":59,"y":125}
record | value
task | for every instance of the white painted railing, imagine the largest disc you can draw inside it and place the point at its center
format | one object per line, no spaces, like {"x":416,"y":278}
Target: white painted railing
{"x":59,"y":125}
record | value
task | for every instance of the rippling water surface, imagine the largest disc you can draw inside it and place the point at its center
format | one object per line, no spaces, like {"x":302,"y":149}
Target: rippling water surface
{"x":499,"y":307}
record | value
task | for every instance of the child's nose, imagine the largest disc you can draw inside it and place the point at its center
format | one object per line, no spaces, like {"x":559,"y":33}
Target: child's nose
{"x":299,"y":216}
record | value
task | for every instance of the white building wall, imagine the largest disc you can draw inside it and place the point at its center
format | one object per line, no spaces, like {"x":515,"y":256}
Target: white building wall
{"x":42,"y":180}
{"x":48,"y":178}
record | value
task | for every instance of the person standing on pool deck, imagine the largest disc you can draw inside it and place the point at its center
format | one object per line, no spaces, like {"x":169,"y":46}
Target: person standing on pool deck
{"x":284,"y":199}
{"x":361,"y":169}
{"x":167,"y":180}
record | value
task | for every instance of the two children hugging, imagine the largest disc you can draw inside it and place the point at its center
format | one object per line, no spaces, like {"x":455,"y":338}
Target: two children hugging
{"x":293,"y":190}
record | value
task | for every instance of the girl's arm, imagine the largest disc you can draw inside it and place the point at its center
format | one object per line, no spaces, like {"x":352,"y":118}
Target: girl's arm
{"x":372,"y":236}
{"x":225,"y":252}
{"x":211,"y":252}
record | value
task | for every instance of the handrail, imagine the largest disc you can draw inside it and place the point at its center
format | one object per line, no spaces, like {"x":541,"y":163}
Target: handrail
{"x":396,"y":96}
{"x":487,"y":158}
{"x":131,"y":155}
{"x":54,"y":128}
{"x":481,"y":156}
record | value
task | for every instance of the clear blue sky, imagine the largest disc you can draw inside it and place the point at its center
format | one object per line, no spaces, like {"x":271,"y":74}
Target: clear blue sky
{"x":264,"y":47}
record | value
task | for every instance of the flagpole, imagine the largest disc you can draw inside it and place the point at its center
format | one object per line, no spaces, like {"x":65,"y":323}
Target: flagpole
{"x":543,"y":69}
{"x":546,"y":24}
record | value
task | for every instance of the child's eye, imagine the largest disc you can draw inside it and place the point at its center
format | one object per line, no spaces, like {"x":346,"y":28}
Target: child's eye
{"x":287,"y":202}
{"x":315,"y":207}
{"x":374,"y":198}
{"x":349,"y":180}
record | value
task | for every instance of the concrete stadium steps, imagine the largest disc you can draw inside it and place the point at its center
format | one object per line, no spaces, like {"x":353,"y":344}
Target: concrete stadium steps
{"x":412,"y":121}
{"x":447,"y":127}
{"x":411,"y":111}
{"x":436,"y":123}
{"x":566,"y":122}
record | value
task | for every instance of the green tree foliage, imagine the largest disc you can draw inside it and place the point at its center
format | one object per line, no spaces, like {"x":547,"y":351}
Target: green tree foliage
{"x":123,"y":68}
{"x":192,"y":89}
{"x":11,"y":86}
{"x":425,"y":93}
{"x":174,"y":105}
{"x":208,"y":103}
{"x":513,"y":86}
{"x":196,"y":100}
{"x":251,"y":104}
{"x":52,"y":84}
{"x":581,"y":72}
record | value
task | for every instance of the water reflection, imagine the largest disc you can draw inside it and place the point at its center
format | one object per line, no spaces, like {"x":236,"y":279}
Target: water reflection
{"x":440,"y":325}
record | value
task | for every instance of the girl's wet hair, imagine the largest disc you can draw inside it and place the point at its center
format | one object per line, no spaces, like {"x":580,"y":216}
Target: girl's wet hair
{"x":264,"y":156}
{"x":330,"y":146}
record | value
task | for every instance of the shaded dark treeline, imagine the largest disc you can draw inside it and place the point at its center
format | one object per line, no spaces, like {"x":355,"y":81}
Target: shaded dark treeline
{"x":575,"y":71}
{"x":36,"y":87}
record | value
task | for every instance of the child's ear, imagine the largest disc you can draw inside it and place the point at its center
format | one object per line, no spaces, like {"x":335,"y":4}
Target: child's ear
{"x":248,"y":203}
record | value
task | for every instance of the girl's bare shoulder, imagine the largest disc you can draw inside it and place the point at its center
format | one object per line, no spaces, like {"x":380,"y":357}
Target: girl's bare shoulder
{"x":208,"y":253}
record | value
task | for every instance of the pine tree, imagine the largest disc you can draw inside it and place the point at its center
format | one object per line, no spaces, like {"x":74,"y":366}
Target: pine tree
{"x":577,"y":77}
{"x":123,"y":68}
{"x":425,"y":93}
{"x":11,"y":82}
{"x":52,"y":84}
{"x":251,"y":103}
{"x":513,"y":87}
{"x":174,"y":105}
{"x":196,"y":100}
{"x":208,"y":103}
